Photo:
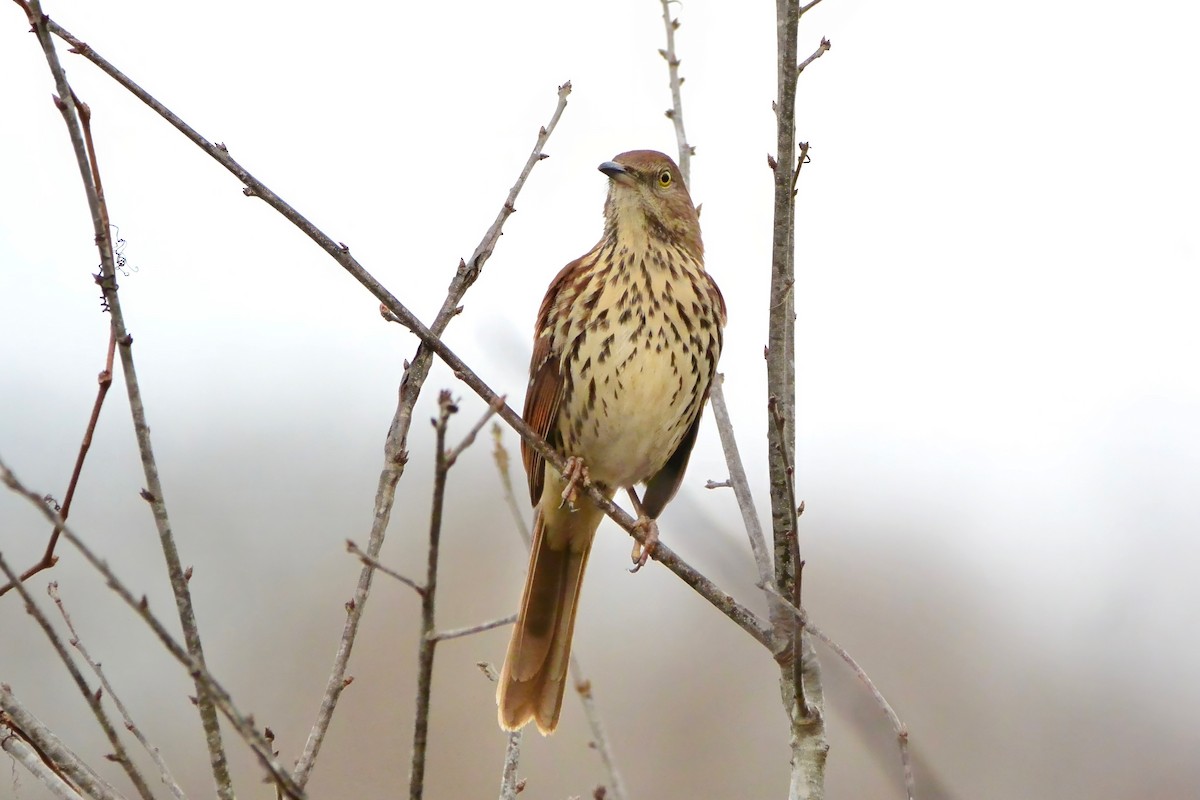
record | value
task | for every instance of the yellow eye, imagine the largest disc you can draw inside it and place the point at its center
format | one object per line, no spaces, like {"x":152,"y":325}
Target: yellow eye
{"x":664,"y":178}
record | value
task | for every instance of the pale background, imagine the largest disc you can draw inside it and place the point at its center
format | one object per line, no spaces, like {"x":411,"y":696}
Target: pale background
{"x":998,"y":402}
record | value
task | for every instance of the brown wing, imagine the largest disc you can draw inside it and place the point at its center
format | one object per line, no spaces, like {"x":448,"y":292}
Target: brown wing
{"x":544,"y":392}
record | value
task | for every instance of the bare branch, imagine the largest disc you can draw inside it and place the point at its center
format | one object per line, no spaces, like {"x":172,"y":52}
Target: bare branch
{"x":800,"y":683}
{"x":469,"y":439}
{"x":76,"y":117}
{"x":820,"y":51}
{"x":50,"y":750}
{"x":24,"y":754}
{"x":199,"y":672}
{"x":374,"y":563}
{"x":455,"y":633}
{"x":509,"y":785}
{"x":91,"y":697}
{"x":428,"y":644}
{"x":898,"y":726}
{"x":501,"y":457}
{"x":104,"y":380}
{"x":741,"y":487}
{"x":616,"y":787}
{"x":676,"y":111}
{"x":164,"y":771}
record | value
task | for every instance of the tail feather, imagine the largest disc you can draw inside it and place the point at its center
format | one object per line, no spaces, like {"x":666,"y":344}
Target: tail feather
{"x":534,"y":677}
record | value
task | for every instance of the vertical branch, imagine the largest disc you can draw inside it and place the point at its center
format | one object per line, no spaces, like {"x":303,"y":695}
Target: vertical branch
{"x":510,"y":787}
{"x":781,"y":375}
{"x":800,"y":677}
{"x":72,"y":114}
{"x":429,"y":640}
{"x":675,"y":112}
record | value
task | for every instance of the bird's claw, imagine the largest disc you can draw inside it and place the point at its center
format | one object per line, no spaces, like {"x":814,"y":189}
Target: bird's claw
{"x":575,"y":475}
{"x":642,"y":552}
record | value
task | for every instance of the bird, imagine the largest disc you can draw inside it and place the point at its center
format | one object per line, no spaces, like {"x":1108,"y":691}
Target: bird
{"x":625,"y":350}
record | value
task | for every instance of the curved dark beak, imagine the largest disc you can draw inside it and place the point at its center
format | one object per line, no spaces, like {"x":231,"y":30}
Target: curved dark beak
{"x":612,"y":169}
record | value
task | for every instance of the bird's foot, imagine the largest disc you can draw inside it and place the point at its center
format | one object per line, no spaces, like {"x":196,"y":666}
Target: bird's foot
{"x":576,"y":476}
{"x":642,"y":552}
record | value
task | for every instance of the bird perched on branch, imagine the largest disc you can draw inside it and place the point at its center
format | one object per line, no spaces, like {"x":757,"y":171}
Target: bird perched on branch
{"x":624,"y":353}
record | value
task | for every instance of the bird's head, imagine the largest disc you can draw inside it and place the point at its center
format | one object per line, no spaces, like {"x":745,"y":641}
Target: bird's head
{"x":647,"y":197}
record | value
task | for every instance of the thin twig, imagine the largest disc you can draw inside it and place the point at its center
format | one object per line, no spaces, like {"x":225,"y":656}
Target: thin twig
{"x":199,"y":672}
{"x":675,"y":113}
{"x":104,"y":380}
{"x":374,"y":563}
{"x":455,"y":633}
{"x":822,"y":48}
{"x":51,"y":750}
{"x":469,"y":439}
{"x":76,"y":119}
{"x":509,"y":785}
{"x":741,"y":486}
{"x":77,"y":642}
{"x":428,"y":645}
{"x":616,"y":787}
{"x":91,"y":697}
{"x":898,"y":725}
{"x":502,"y":459}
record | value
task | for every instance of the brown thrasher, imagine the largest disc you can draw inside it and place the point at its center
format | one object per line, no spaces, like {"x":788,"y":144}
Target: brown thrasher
{"x":624,"y":352}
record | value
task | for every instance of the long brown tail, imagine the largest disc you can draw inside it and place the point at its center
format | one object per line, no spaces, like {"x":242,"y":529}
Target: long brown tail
{"x":535,"y":669}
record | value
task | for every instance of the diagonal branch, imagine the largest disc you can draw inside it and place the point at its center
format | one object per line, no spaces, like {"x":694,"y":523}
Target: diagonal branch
{"x":48,"y":559}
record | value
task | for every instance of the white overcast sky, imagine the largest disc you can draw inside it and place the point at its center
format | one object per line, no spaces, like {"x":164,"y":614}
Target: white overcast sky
{"x":998,"y":258}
